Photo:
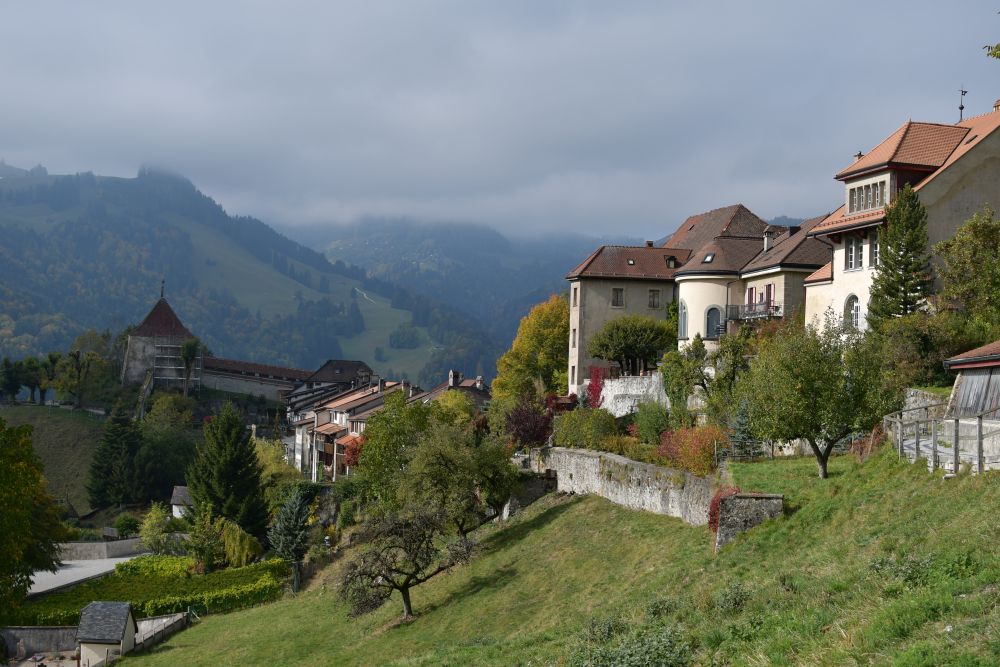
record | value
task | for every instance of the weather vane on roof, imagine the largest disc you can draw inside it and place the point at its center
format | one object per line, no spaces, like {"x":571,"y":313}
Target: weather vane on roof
{"x":961,"y":102}
{"x":163,"y":284}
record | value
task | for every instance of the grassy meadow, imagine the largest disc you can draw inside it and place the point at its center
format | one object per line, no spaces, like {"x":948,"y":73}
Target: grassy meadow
{"x":882,"y":563}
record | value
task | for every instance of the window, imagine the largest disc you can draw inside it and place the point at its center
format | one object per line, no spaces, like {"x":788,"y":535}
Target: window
{"x":575,"y":288}
{"x":708,"y":258}
{"x":852,"y":312}
{"x":873,"y":248}
{"x":617,"y":297}
{"x":682,"y":320}
{"x":572,"y":374}
{"x":866,"y":197}
{"x":768,"y":296}
{"x":572,"y":341}
{"x":852,"y":253}
{"x":713,"y":321}
{"x":751,"y":295}
{"x":654,"y":298}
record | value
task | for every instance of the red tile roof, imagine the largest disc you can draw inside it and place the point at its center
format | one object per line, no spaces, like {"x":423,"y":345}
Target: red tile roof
{"x":641,"y":263}
{"x":822,"y":275}
{"x":917,"y":145}
{"x":923,"y":145}
{"x":236,"y":366}
{"x":162,"y":322}
{"x":986,"y":355}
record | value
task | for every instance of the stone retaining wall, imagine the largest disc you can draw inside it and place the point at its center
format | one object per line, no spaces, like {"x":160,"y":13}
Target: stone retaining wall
{"x":96,"y":550}
{"x":629,"y":483}
{"x":39,"y":639}
{"x":743,"y":511}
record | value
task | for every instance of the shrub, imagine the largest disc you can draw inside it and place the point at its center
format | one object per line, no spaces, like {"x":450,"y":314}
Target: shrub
{"x":693,"y":449}
{"x":154,"y":530}
{"x":528,"y":423}
{"x":713,"y":506}
{"x":127,"y":525}
{"x":651,"y":419}
{"x":732,"y":598}
{"x":346,"y":515}
{"x":603,"y":630}
{"x":583,"y":428}
{"x":664,"y":647}
{"x":659,"y":607}
{"x":630,"y":447}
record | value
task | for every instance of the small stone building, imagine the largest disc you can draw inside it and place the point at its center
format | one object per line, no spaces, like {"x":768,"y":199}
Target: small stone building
{"x":107,"y":631}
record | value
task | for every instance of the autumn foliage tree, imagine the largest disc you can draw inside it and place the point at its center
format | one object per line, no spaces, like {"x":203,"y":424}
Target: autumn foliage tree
{"x":539,"y":353}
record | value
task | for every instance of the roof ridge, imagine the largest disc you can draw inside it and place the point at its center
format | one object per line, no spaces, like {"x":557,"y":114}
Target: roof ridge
{"x":902,"y":140}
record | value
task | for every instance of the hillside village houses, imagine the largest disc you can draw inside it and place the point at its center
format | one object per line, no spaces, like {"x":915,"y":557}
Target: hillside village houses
{"x":955,"y":169}
{"x":727,"y":267}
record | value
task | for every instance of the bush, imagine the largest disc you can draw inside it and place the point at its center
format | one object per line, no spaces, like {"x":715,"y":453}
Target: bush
{"x":693,"y":449}
{"x":127,"y":525}
{"x":658,"y":608}
{"x":732,"y":598}
{"x":631,"y":448}
{"x":663,"y":647}
{"x":713,"y":506}
{"x":346,"y":516}
{"x":603,"y":630}
{"x":583,"y":428}
{"x":651,"y":419}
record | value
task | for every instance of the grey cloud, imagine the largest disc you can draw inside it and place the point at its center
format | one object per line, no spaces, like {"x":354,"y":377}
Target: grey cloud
{"x":583,"y":116}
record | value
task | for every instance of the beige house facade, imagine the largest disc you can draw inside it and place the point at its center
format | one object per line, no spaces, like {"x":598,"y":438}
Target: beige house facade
{"x":955,"y":170}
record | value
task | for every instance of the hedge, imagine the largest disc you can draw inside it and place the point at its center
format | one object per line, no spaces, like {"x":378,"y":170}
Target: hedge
{"x":583,"y":428}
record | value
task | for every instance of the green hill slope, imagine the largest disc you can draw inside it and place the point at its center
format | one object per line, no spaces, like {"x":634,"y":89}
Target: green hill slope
{"x":880,"y":564}
{"x":86,"y":251}
{"x":65,"y":442}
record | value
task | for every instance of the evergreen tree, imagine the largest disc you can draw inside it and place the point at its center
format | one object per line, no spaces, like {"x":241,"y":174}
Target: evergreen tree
{"x":903,"y":278}
{"x":112,"y":471}
{"x":226,"y":476}
{"x":289,"y":534}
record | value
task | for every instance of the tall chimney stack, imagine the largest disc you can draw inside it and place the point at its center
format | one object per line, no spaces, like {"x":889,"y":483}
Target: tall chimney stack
{"x":649,"y":244}
{"x":768,"y":239}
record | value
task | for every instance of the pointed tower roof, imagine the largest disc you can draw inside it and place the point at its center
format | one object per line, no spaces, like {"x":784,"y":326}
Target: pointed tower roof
{"x":162,"y":322}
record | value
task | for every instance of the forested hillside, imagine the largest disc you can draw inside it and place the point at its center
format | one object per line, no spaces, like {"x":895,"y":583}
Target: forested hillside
{"x":88,"y":252}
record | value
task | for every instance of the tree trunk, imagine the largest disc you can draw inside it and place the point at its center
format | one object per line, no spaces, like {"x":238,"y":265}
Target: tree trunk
{"x":407,"y":607}
{"x":41,"y":395}
{"x":821,"y":463}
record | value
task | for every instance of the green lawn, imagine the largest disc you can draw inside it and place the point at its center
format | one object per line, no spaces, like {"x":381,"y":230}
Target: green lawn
{"x":65,"y":441}
{"x":880,"y":564}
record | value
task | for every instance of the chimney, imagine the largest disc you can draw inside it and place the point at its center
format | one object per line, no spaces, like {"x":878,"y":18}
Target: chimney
{"x":649,"y":244}
{"x":996,"y":105}
{"x":381,"y":385}
{"x":768,"y":239}
{"x":405,"y":384}
{"x":452,"y":378}
{"x":479,"y":382}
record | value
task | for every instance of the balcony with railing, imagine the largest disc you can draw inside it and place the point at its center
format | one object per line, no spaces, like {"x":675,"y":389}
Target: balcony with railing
{"x":756,"y":311}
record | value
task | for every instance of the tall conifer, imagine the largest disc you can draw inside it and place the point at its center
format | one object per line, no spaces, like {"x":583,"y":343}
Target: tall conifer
{"x":903,"y":278}
{"x":112,"y":470}
{"x":226,"y":475}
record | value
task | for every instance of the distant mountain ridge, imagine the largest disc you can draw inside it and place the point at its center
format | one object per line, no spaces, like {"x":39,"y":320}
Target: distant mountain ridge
{"x":88,"y":251}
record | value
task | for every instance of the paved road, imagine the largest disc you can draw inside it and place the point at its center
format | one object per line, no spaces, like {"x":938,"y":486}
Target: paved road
{"x":73,"y":571}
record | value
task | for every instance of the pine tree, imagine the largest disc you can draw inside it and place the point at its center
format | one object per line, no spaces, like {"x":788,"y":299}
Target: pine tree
{"x":112,"y":470}
{"x":289,"y":534}
{"x":903,"y":279}
{"x":226,"y":475}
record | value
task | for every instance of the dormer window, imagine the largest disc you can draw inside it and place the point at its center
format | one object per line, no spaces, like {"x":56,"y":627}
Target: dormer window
{"x":631,"y":262}
{"x":708,"y":258}
{"x":866,"y":197}
{"x":671,"y":262}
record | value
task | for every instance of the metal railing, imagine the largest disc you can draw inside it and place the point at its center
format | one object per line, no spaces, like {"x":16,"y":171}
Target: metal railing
{"x":755,"y":311}
{"x":940,"y":439}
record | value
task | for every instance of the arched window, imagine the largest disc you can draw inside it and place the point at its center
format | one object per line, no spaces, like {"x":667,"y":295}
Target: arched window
{"x":852,"y":312}
{"x":713,"y":318}
{"x":682,"y":320}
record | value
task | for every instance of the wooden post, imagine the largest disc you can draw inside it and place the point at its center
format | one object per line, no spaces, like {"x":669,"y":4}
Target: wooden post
{"x":899,"y":436}
{"x":956,"y":459}
{"x":979,"y":443}
{"x":934,"y":453}
{"x":916,"y":441}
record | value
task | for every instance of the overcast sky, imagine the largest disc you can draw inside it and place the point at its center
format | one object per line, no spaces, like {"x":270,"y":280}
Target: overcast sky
{"x":598,"y":117}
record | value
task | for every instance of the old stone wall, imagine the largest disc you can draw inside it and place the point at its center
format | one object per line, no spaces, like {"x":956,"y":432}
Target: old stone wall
{"x":743,"y":511}
{"x":95,"y":550}
{"x":622,"y":395}
{"x":916,"y":398}
{"x":629,"y":483}
{"x":39,"y":639}
{"x":235,"y":384}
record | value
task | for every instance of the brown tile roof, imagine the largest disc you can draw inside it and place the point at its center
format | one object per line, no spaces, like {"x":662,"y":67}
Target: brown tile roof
{"x":794,"y":249}
{"x":330,"y":428}
{"x":934,"y":147}
{"x":642,"y":262}
{"x":730,"y":255}
{"x":236,"y":366}
{"x":162,"y":322}
{"x":916,"y":145}
{"x":986,"y":355}
{"x":821,"y":275}
{"x":340,"y":400}
{"x":696,"y":231}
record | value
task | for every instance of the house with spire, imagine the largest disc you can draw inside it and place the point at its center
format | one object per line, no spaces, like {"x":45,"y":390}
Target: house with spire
{"x":153,"y":351}
{"x":954,"y":169}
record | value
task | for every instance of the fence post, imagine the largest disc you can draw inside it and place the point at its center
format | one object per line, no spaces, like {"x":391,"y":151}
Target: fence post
{"x":934,"y":453}
{"x":979,"y":443}
{"x":916,"y":441}
{"x":956,"y":459}
{"x":899,"y":435}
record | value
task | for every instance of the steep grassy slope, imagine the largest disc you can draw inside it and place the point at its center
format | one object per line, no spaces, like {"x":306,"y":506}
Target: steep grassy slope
{"x":65,"y":442}
{"x":880,"y":564}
